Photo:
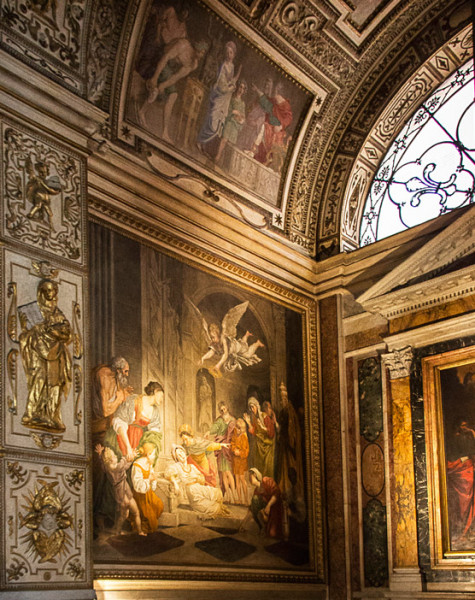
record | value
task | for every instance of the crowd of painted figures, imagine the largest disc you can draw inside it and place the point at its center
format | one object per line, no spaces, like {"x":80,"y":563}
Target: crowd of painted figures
{"x":254,"y":460}
{"x":258,"y":127}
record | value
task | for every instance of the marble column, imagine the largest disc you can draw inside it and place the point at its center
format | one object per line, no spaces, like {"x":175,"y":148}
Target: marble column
{"x":405,"y":574}
{"x":331,"y":353}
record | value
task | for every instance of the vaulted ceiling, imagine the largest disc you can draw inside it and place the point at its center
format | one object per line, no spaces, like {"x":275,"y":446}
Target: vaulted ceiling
{"x":347,"y":60}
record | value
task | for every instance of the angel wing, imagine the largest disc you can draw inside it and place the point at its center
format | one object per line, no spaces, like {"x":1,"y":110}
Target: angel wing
{"x":232,"y":318}
{"x":196,"y":311}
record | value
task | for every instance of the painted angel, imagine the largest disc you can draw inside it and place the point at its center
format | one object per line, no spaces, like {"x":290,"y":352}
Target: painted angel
{"x":232,"y":352}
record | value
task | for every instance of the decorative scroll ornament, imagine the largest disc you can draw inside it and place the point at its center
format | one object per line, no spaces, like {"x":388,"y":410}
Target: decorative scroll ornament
{"x":78,"y":346}
{"x":10,"y":525}
{"x":12,"y":321}
{"x":12,"y":361}
{"x":16,"y":472}
{"x":398,"y":362}
{"x":42,"y":188}
{"x":79,"y":529}
{"x":101,"y":49}
{"x":75,"y":479}
{"x":47,"y":518}
{"x":77,"y":393}
{"x":16,"y":570}
{"x":260,"y":9}
{"x":75,"y":570}
{"x":300,"y":23}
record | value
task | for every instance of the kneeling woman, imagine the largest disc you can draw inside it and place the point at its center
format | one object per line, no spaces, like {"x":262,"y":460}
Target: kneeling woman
{"x":204,"y":499}
{"x":144,"y":485}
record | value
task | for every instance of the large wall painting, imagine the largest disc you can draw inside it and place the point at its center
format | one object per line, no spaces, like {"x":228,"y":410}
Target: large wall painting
{"x":199,"y":420}
{"x":201,"y":90}
{"x":449,"y":396}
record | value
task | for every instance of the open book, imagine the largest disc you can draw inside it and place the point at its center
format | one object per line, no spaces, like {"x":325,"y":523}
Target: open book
{"x":32,"y":312}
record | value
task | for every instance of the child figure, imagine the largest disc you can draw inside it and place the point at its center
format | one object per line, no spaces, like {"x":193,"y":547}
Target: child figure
{"x":240,"y":451}
{"x":117,"y":474}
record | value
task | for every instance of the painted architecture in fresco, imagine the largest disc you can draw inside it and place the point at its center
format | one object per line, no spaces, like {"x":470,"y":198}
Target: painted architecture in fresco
{"x":198,"y":399}
{"x":200,"y":88}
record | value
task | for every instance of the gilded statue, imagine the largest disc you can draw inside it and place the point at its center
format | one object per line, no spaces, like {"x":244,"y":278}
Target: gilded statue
{"x":45,"y":335}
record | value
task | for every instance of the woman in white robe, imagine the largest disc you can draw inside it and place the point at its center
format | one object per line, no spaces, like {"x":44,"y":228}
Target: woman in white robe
{"x":204,"y":499}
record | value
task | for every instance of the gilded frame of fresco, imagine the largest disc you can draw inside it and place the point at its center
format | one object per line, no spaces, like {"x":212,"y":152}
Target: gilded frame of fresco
{"x":246,"y":284}
{"x":448,"y":383}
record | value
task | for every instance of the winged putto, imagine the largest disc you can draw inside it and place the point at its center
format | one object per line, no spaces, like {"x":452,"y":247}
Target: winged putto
{"x":223,"y":344}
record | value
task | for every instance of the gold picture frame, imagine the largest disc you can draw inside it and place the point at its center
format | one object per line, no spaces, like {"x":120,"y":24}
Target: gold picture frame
{"x":135,"y":254}
{"x":449,"y":413}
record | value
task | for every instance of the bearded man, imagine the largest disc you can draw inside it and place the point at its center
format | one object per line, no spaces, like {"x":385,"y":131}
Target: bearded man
{"x":110,"y":389}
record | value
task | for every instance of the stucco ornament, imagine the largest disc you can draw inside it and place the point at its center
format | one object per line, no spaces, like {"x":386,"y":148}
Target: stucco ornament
{"x":47,"y":518}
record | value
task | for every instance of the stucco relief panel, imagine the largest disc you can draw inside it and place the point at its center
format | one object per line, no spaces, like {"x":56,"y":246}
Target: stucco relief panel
{"x":334,"y":197}
{"x":301,"y":24}
{"x":43,"y":336}
{"x":43,"y":524}
{"x":49,"y":35}
{"x":43,"y":190}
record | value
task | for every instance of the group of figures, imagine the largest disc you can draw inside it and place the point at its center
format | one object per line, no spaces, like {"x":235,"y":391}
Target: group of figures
{"x":234,"y":462}
{"x":167,"y":58}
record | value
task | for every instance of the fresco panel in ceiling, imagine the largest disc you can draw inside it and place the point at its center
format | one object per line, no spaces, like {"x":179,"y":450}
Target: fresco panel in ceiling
{"x":201,"y":93}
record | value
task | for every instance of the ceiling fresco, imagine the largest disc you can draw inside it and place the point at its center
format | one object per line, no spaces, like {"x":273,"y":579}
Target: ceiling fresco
{"x":312,"y":76}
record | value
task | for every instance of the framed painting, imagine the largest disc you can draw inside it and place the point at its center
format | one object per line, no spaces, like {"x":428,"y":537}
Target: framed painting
{"x":205,"y":95}
{"x":202,"y":423}
{"x":449,"y":409}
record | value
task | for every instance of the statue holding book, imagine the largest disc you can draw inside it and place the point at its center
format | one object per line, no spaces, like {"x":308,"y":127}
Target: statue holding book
{"x":45,"y":335}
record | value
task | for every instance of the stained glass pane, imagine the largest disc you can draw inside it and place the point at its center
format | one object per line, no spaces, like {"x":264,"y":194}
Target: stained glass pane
{"x":430,"y":168}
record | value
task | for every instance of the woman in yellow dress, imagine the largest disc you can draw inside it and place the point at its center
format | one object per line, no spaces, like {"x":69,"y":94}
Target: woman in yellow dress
{"x":144,"y":485}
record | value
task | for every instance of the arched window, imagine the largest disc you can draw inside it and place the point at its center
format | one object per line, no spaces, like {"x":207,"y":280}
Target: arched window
{"x":430,"y":167}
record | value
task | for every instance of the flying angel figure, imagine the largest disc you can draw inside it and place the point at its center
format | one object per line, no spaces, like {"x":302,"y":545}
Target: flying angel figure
{"x":232,"y":353}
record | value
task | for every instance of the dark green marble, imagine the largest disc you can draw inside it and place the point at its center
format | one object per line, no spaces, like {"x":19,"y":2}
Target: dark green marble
{"x":375,"y":544}
{"x":370,"y":398}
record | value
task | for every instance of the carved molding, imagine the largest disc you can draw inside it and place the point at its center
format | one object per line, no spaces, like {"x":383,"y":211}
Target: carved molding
{"x":454,"y":242}
{"x":398,"y":362}
{"x":431,"y":293}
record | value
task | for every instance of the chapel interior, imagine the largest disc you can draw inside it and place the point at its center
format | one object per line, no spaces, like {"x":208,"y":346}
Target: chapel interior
{"x":127,"y":185}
